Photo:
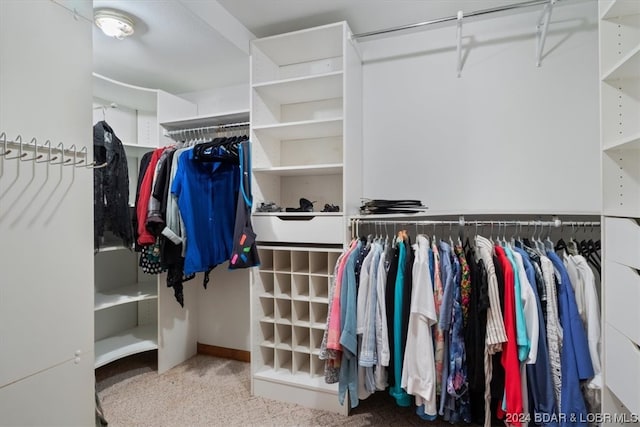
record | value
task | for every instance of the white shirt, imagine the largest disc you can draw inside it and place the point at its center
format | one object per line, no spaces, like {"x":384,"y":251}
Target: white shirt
{"x":418,"y":368}
{"x":592,"y":317}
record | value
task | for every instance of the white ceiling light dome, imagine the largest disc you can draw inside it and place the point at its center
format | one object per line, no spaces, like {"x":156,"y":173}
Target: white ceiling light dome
{"x":113,"y":23}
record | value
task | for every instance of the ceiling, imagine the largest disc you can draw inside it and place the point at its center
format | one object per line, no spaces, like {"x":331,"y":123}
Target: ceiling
{"x":190,"y":45}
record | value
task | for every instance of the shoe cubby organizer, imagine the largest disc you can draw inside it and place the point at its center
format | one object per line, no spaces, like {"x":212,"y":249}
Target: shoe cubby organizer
{"x":292,"y":291}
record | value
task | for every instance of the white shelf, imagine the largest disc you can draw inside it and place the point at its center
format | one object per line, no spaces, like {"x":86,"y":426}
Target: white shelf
{"x":629,"y":143}
{"x":125,"y":294}
{"x":135,"y":97}
{"x":306,"y":129}
{"x":294,"y":214}
{"x":112,"y":247}
{"x":628,"y":67}
{"x":268,"y":344}
{"x":622,"y":213}
{"x":326,"y":169}
{"x":207,"y":120}
{"x":126,"y":343}
{"x":302,"y":89}
{"x":304,"y":45}
{"x":299,"y":380}
{"x":619,"y":8}
{"x":302,"y":349}
{"x":283,"y":346}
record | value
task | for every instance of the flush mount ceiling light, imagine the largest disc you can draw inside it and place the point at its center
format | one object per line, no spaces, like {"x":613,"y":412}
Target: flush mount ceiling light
{"x":114,"y":24}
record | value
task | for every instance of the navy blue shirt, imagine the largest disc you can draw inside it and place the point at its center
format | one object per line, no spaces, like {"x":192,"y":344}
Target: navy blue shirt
{"x":207,"y":195}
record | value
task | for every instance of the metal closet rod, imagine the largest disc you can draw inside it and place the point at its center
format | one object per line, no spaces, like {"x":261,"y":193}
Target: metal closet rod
{"x":207,"y":128}
{"x":453,"y":18}
{"x":462,"y":222}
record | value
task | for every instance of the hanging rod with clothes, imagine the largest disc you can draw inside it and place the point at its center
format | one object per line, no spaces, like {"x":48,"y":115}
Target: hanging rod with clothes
{"x":206,"y":129}
{"x":452,"y":18}
{"x":19,"y":149}
{"x":555,"y":222}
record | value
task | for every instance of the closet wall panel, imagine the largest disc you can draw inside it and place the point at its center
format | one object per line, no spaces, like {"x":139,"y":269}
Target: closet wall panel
{"x":46,"y":221}
{"x":506,"y":136}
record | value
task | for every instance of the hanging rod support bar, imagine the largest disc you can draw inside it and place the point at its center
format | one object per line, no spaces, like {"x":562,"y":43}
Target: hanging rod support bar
{"x":541,"y":30}
{"x":459,"y":46}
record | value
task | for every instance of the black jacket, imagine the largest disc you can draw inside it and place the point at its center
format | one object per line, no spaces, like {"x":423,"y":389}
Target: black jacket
{"x":110,"y":187}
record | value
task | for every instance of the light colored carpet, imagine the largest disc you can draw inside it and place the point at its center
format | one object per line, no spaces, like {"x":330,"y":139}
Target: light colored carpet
{"x":209,"y":391}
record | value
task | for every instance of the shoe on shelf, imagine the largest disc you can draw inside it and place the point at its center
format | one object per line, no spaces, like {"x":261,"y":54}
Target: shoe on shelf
{"x":268,"y":207}
{"x":305,"y":206}
{"x":330,"y":208}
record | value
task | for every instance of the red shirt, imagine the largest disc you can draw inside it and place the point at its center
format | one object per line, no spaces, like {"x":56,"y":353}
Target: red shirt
{"x":144,"y":237}
{"x":509,"y":359}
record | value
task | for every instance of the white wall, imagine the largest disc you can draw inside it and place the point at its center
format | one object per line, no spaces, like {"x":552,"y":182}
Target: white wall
{"x":46,"y":219}
{"x":506,"y":136}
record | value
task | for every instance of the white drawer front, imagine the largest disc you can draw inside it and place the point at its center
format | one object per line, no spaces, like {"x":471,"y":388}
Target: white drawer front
{"x":622,"y":288}
{"x":311,"y":229}
{"x":622,"y":368}
{"x":622,"y":240}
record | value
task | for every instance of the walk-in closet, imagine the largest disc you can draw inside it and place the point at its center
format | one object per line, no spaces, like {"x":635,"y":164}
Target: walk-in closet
{"x":259,"y":212}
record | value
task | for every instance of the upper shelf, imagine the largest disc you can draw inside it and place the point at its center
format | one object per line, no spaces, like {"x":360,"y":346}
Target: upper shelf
{"x":302,"y":89}
{"x":304,"y":45}
{"x":619,"y":8}
{"x":627,"y":67}
{"x":135,"y":97}
{"x":239,"y":116}
{"x":302,"y":130}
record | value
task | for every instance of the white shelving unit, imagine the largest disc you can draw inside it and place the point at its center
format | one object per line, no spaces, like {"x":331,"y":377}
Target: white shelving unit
{"x":290,"y":300}
{"x":620,"y":141}
{"x":306,"y":129}
{"x":133,"y":310}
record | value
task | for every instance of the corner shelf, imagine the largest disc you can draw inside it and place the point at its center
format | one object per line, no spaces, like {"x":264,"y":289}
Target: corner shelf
{"x":126,"y":343}
{"x":125,"y":294}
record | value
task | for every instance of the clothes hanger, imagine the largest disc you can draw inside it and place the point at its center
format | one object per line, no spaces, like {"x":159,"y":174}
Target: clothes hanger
{"x":548,"y":243}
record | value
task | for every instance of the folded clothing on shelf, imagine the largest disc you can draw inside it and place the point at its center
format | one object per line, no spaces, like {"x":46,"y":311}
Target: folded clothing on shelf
{"x":382,"y":206}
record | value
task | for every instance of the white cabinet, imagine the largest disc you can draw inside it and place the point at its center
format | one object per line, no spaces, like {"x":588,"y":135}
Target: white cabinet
{"x":134,"y":311}
{"x":306,"y":133}
{"x":306,"y":128}
{"x":620,"y":141}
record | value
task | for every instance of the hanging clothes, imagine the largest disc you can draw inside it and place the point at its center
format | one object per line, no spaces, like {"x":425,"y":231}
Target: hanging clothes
{"x":206,"y":193}
{"x":511,"y":406}
{"x":418,"y":371}
{"x":575,"y":359}
{"x":110,"y":187}
{"x":515,"y":374}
